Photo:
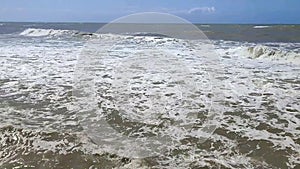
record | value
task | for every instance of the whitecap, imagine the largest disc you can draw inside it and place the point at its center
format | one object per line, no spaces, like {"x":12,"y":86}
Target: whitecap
{"x":261,"y":27}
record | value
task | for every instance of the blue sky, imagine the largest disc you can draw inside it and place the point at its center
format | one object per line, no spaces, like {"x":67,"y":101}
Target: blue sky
{"x":196,"y":11}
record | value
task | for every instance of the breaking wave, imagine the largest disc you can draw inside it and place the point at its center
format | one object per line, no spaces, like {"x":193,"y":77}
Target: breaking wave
{"x":33,"y":32}
{"x":261,"y":27}
{"x":262,"y":52}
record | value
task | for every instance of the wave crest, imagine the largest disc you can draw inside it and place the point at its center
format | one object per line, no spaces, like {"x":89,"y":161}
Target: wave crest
{"x":34,"y":32}
{"x":261,"y":51}
{"x":261,"y":27}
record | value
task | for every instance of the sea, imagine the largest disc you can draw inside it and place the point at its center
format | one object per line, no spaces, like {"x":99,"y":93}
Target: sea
{"x":72,"y":96}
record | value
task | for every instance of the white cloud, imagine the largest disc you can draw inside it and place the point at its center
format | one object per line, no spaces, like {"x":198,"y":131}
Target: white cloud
{"x":202,"y":9}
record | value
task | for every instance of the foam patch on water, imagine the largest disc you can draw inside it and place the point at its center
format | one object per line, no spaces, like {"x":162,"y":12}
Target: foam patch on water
{"x":164,"y":89}
{"x":261,"y":27}
{"x":259,"y":127}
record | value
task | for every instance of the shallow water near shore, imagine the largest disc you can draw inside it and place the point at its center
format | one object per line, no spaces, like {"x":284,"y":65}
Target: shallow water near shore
{"x":39,"y":127}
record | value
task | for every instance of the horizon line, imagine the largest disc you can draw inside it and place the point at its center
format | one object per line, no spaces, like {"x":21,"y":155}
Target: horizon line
{"x":203,"y":23}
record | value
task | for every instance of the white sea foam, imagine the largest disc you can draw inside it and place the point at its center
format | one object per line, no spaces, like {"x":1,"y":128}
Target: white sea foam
{"x":207,"y":26}
{"x":262,"y":101}
{"x":254,"y":51}
{"x":33,"y":32}
{"x":260,"y":51}
{"x":44,"y":32}
{"x":261,"y":27}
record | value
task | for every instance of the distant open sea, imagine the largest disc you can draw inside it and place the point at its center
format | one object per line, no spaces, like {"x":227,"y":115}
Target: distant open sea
{"x":233,"y":32}
{"x":257,"y":72}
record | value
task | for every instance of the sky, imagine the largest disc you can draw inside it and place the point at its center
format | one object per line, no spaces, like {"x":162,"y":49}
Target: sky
{"x":196,"y":11}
